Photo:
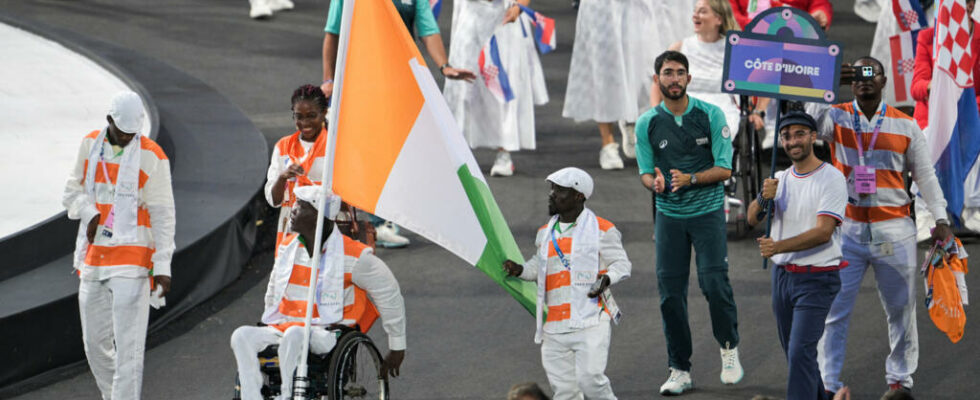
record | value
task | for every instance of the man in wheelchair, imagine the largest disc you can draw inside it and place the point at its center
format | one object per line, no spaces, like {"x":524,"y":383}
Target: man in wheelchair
{"x":353,"y":287}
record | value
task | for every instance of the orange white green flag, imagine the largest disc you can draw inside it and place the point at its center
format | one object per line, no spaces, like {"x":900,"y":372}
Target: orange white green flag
{"x":400,"y":155}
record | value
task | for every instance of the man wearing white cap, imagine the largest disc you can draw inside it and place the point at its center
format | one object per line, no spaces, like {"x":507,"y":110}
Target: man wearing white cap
{"x":120,"y":191}
{"x":579,"y":256}
{"x":347,"y":270}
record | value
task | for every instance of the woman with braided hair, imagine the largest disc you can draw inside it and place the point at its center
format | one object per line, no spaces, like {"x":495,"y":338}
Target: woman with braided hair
{"x":297,"y":159}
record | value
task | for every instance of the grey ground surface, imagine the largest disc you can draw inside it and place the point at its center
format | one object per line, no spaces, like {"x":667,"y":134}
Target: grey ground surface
{"x":467,"y":339}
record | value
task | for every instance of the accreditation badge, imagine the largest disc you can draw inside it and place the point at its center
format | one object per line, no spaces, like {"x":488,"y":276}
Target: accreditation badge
{"x":865,"y":181}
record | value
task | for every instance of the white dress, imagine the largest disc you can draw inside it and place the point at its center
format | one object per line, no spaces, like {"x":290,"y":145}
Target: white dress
{"x":652,"y":26}
{"x":706,"y":67}
{"x":484,"y":120}
{"x":599,"y":85}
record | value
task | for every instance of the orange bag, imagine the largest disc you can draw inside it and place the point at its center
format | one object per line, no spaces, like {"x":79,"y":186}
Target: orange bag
{"x":943,"y":299}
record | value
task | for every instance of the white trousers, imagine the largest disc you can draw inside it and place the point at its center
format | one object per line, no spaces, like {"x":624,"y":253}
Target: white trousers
{"x":248,"y":341}
{"x":576,"y":363}
{"x":114,"y":314}
{"x":895,"y":275}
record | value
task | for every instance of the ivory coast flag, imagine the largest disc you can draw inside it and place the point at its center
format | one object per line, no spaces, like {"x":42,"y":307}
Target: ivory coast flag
{"x":399,"y":153}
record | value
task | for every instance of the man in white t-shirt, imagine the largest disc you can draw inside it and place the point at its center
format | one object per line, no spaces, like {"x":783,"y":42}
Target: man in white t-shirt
{"x":807,"y":201}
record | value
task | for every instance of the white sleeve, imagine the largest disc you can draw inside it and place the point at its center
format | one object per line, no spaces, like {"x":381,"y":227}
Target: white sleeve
{"x":534,"y":263}
{"x":372,"y":275}
{"x":613,"y":255}
{"x":272,"y":176}
{"x":158,"y":195}
{"x":924,"y":175}
{"x":833,"y":202}
{"x":821,"y":112}
{"x":270,"y":295}
{"x":78,"y":204}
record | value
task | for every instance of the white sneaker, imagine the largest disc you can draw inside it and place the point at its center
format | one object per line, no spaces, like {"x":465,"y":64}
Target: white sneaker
{"x":387,"y":236}
{"x":260,"y":10}
{"x":503,"y":166}
{"x":277,"y":5}
{"x":731,"y":368}
{"x":609,"y":157}
{"x":628,"y":131}
{"x":678,"y":382}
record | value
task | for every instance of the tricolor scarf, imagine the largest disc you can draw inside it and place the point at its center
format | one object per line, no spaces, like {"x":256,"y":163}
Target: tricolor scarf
{"x":584,"y":260}
{"x":126,"y":193}
{"x":295,"y":146}
{"x":329,"y":281}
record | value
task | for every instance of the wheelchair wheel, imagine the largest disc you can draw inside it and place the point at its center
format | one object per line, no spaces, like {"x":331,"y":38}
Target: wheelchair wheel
{"x":749,"y":164}
{"x":355,"y":369}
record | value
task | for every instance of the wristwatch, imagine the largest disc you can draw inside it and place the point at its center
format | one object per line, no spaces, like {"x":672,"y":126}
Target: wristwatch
{"x":943,"y":221}
{"x":694,"y":179}
{"x":442,"y":67}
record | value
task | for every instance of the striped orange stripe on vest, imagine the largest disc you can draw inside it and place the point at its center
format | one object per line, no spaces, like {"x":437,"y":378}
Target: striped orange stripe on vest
{"x":358,"y":308}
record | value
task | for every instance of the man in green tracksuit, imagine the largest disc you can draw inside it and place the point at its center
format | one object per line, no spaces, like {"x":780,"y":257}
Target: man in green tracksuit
{"x":684,"y":152}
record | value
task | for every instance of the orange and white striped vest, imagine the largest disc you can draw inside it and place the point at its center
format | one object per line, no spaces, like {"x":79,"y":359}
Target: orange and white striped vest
{"x":884,"y":215}
{"x":564,"y":291}
{"x":288,"y":285}
{"x":288,"y":151}
{"x":105,"y":257}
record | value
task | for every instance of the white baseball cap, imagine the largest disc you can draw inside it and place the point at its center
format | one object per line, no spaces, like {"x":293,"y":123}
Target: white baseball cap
{"x":126,"y":111}
{"x":574,"y":178}
{"x":311,"y":194}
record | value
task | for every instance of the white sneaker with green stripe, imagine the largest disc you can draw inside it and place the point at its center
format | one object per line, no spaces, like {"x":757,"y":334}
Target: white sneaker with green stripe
{"x":678,"y":382}
{"x":731,"y":368}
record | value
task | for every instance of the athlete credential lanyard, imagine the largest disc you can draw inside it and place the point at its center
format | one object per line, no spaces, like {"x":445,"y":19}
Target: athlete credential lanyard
{"x":561,"y":256}
{"x":865,"y":180}
{"x":110,"y":219}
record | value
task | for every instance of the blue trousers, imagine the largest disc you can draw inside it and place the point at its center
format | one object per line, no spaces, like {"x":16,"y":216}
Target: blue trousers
{"x":800,"y":303}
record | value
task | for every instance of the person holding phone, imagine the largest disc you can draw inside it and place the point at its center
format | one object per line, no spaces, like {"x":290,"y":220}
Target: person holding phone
{"x":876,"y":147}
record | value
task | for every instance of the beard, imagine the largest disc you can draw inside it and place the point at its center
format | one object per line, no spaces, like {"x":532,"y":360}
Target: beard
{"x":868,"y":96}
{"x":665,"y":90}
{"x":805,"y":151}
{"x":552,"y":210}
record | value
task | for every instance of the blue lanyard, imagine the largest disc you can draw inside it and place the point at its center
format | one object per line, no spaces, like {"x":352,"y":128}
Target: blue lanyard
{"x":858,"y":134}
{"x":561,"y":256}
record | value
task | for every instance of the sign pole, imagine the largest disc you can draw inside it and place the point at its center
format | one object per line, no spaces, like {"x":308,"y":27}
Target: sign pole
{"x":770,"y":204}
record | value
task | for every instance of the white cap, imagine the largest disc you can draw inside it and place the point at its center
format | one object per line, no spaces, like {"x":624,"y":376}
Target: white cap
{"x":127,"y":112}
{"x":574,"y":178}
{"x":311,"y":194}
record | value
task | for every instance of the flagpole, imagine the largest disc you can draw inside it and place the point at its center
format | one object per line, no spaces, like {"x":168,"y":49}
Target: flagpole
{"x":770,"y":204}
{"x":300,"y":380}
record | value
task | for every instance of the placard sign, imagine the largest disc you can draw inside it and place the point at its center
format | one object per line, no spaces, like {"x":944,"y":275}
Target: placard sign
{"x":782,"y":54}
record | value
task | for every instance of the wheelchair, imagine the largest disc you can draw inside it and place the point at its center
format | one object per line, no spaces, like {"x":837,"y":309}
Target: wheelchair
{"x":746,"y":182}
{"x":351,"y":370}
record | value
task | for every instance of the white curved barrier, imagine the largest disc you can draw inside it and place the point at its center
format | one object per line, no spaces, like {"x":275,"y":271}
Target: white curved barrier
{"x":50,"y":97}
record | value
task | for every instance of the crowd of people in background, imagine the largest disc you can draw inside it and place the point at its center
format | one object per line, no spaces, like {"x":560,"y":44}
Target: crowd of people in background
{"x":659,"y":82}
{"x":661,"y":85}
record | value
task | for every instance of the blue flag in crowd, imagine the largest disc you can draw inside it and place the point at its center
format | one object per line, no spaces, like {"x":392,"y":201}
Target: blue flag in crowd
{"x":493,"y":73}
{"x":436,"y":6}
{"x":544,"y":30}
{"x":954,"y":124}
